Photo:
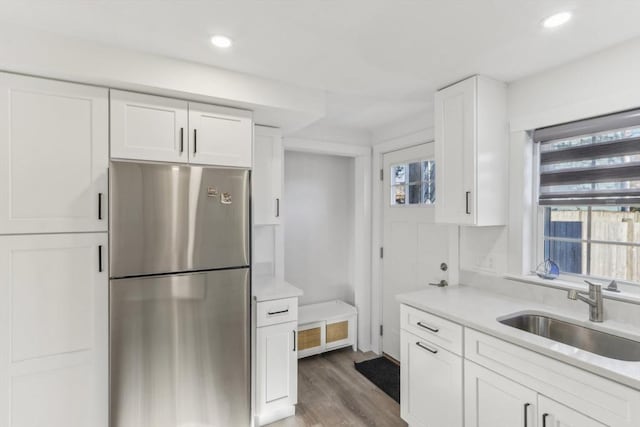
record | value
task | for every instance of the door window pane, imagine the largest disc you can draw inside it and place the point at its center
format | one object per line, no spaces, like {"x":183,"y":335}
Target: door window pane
{"x":413,"y":183}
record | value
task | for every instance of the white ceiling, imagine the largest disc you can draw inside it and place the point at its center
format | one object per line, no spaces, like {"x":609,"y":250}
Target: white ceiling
{"x":378,"y":60}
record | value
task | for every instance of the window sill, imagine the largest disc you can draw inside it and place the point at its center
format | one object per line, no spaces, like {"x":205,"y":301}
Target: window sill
{"x":623,"y":295}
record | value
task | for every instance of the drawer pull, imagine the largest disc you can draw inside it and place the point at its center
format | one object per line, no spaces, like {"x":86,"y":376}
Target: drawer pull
{"x":273,"y":313}
{"x":526,"y":414}
{"x":430,"y":328}
{"x":426,"y":347}
{"x":544,"y":420}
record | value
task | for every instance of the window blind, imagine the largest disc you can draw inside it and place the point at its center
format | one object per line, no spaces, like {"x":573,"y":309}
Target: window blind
{"x":591,"y":162}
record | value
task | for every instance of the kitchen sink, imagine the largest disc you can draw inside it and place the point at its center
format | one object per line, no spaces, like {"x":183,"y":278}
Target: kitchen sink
{"x":591,"y":340}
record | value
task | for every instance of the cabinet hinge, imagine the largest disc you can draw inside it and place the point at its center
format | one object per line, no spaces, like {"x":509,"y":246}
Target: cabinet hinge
{"x":381,"y":252}
{"x":381,"y":174}
{"x":381,"y":330}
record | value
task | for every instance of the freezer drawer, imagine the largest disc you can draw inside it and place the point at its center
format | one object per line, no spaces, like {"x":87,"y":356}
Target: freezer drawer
{"x":171,"y":218}
{"x":179,"y":350}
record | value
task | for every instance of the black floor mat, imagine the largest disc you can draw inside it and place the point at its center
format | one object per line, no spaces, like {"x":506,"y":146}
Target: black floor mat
{"x":383,"y":373}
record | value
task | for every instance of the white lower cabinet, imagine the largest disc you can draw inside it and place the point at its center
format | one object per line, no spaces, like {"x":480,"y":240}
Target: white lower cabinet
{"x":276,"y":366}
{"x":505,"y":385}
{"x":492,"y":400}
{"x":553,"y":414}
{"x":431,"y":384}
{"x":54,"y":330}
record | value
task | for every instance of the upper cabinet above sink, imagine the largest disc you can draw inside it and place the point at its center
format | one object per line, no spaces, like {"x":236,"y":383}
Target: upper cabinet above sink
{"x":471,"y":150}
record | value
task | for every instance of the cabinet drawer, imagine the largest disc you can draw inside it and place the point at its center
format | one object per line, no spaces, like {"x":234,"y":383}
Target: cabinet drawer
{"x":444,"y":333}
{"x":582,"y":391}
{"x":277,"y":311}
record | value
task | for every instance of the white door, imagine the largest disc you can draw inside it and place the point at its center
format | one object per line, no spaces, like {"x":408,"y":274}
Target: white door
{"x":54,"y":144}
{"x":53,"y":330}
{"x":431,"y":384}
{"x":277,"y":360}
{"x":413,"y":245}
{"x":492,"y":400}
{"x":455,"y":150}
{"x":266,"y":177}
{"x":553,"y":414}
{"x":146,"y":127}
{"x":220,"y":136}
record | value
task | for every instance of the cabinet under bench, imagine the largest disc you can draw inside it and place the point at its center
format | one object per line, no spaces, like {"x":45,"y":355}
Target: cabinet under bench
{"x":453,"y":375}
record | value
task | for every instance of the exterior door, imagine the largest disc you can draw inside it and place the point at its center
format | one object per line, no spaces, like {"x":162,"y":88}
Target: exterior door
{"x":148,"y":127}
{"x":413,"y":245}
{"x":54,"y":154}
{"x":492,"y":400}
{"x":553,"y":414}
{"x":54,"y":330}
{"x":220,"y":136}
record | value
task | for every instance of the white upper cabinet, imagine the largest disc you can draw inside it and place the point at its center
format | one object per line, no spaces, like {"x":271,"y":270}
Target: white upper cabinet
{"x":266,"y":177}
{"x":471,"y":149}
{"x":220,"y":136}
{"x":53,"y":156}
{"x":54,"y":338}
{"x":147,"y":127}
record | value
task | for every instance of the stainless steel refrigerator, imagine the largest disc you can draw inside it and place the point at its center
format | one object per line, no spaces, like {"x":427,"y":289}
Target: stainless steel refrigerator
{"x":179,"y":296}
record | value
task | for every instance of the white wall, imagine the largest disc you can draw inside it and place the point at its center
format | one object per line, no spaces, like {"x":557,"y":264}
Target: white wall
{"x":319,"y":234}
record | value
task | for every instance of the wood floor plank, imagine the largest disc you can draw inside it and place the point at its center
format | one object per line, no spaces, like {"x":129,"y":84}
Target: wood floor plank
{"x":332,"y":393}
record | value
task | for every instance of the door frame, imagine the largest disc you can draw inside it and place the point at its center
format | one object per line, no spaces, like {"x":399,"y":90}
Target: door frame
{"x":377,"y":229}
{"x":362,"y":223}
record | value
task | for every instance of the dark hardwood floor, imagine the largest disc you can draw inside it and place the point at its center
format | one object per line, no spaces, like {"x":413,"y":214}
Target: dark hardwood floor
{"x":332,"y":393}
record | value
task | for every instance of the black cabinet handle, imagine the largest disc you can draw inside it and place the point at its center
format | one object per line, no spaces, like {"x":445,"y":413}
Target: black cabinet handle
{"x":99,"y":258}
{"x":467,"y":203}
{"x":100,"y":206}
{"x":294,"y":340}
{"x":278,"y":208}
{"x":195,"y":141}
{"x":544,"y":420}
{"x":430,"y":328}
{"x":526,"y":414}
{"x":181,"y":140}
{"x":272,"y":313}
{"x":426,"y":347}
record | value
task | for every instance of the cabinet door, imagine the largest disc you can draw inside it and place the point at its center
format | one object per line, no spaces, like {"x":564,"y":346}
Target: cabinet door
{"x":53,"y":330}
{"x":553,"y":414}
{"x":146,"y":127}
{"x":430,"y":384}
{"x":53,"y":156}
{"x":220,"y":136}
{"x":267,"y":176}
{"x":491,"y":400}
{"x":277,"y":360}
{"x":455,"y":149}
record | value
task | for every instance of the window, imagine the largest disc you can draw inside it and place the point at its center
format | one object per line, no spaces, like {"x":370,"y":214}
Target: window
{"x":589,"y":196}
{"x":413,"y":183}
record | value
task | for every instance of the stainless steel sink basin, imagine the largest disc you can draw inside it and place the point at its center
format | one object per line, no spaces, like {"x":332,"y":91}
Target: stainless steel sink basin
{"x":591,"y":340}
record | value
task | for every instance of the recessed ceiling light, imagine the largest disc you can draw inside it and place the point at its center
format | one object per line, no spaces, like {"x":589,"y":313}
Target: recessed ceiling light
{"x":221,"y":41}
{"x":557,"y":20}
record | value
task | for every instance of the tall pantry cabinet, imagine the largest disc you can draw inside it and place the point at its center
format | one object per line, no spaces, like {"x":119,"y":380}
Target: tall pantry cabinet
{"x":53,"y":253}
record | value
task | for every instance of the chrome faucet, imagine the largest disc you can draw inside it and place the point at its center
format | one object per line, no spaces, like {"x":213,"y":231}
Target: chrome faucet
{"x":594,"y":300}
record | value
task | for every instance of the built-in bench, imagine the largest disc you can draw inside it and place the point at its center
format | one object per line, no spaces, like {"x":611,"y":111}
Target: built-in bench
{"x":326,"y":326}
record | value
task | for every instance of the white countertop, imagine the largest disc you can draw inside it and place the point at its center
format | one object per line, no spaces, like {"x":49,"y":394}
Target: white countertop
{"x":266,"y":288}
{"x":479,"y":310}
